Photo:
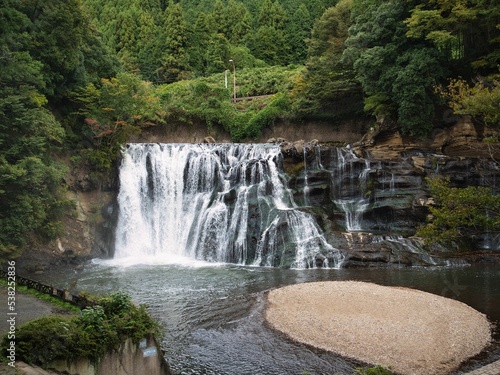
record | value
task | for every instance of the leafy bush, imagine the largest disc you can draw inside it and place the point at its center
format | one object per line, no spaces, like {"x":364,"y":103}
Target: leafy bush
{"x":460,"y":214}
{"x":100,"y":328}
{"x":479,"y":101}
{"x":61,"y":338}
{"x":114,"y":111}
{"x":276,"y":108}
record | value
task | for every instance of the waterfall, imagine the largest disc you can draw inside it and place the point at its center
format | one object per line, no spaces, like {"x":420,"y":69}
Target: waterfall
{"x":220,"y":203}
{"x":350,"y":172}
{"x":306,"y":180}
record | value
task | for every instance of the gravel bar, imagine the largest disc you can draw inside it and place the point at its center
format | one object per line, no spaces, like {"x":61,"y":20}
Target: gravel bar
{"x":405,"y":330}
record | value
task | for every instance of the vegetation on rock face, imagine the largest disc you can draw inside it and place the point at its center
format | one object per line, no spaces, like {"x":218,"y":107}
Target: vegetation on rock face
{"x":206,"y":100}
{"x":112,"y":112}
{"x":479,"y":100}
{"x":41,"y":48}
{"x":461,"y":214}
{"x":100,"y":328}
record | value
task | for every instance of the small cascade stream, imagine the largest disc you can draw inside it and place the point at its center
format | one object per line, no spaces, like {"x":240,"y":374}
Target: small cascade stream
{"x":220,"y":203}
{"x":358,"y":187}
{"x":306,"y":181}
{"x":350,"y":172}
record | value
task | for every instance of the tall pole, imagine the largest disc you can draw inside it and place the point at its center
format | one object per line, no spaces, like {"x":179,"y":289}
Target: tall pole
{"x":234,"y":80}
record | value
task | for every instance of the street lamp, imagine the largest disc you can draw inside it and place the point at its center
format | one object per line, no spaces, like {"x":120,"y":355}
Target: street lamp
{"x":234,"y":80}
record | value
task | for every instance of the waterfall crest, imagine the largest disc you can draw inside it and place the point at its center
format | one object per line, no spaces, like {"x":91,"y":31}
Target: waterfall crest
{"x":214,"y":202}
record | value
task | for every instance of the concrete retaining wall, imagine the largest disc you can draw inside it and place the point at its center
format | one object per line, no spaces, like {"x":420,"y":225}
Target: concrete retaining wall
{"x":144,"y":357}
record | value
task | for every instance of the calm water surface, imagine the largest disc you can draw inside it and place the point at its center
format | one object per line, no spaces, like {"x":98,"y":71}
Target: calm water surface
{"x":212,"y":314}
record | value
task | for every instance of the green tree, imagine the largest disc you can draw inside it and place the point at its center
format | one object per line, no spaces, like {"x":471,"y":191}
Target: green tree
{"x":268,"y":44}
{"x":30,"y":180}
{"x":272,"y":14}
{"x":174,"y":61}
{"x":318,"y":7}
{"x":279,"y":16}
{"x":150,"y":47}
{"x":465,"y":32}
{"x":97,"y":60}
{"x":479,"y":101}
{"x":220,"y":18}
{"x":133,"y":31}
{"x":461,"y":214}
{"x":241,"y":22}
{"x":120,"y":107}
{"x":127,"y":30}
{"x":127,"y":39}
{"x":297,"y":32}
{"x":266,"y":14}
{"x":397,"y":74}
{"x":330,"y":32}
{"x":152,"y":6}
{"x":327,"y":80}
{"x":200,"y":39}
{"x":218,"y":54}
{"x":57,"y":32}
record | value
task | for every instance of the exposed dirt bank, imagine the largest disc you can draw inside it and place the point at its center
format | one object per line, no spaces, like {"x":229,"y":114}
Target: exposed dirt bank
{"x":405,"y":330}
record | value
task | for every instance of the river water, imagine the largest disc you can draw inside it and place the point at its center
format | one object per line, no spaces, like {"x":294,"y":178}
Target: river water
{"x":213,"y":313}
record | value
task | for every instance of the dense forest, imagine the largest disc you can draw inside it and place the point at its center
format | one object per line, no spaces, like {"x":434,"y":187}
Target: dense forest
{"x":78,"y":77}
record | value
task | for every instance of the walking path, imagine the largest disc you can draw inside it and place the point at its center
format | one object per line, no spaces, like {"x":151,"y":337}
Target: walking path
{"x":27,"y":308}
{"x":23,"y":369}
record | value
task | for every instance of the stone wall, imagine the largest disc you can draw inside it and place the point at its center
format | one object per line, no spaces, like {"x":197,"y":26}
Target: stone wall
{"x":340,"y":132}
{"x":144,"y":357}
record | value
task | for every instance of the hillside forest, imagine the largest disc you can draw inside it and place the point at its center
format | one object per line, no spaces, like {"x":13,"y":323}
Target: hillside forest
{"x":79,"y":77}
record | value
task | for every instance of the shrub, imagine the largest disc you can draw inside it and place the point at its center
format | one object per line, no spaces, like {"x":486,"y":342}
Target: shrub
{"x":100,"y":328}
{"x":460,"y":215}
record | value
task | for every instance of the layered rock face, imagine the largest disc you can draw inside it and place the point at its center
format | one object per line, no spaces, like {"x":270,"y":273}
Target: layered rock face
{"x":369,"y":201}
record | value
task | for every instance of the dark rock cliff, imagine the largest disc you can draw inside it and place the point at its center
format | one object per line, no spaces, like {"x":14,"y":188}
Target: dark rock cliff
{"x":371,"y":196}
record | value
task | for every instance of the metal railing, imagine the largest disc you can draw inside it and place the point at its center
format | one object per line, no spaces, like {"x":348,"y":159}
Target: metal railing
{"x":62,"y":294}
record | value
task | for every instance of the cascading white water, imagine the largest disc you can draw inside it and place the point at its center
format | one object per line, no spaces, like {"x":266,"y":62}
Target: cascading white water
{"x":306,"y":180}
{"x":219,"y":203}
{"x":353,"y":203}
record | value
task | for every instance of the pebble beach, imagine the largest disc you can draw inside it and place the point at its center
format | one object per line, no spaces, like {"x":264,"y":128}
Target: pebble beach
{"x":405,"y":330}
